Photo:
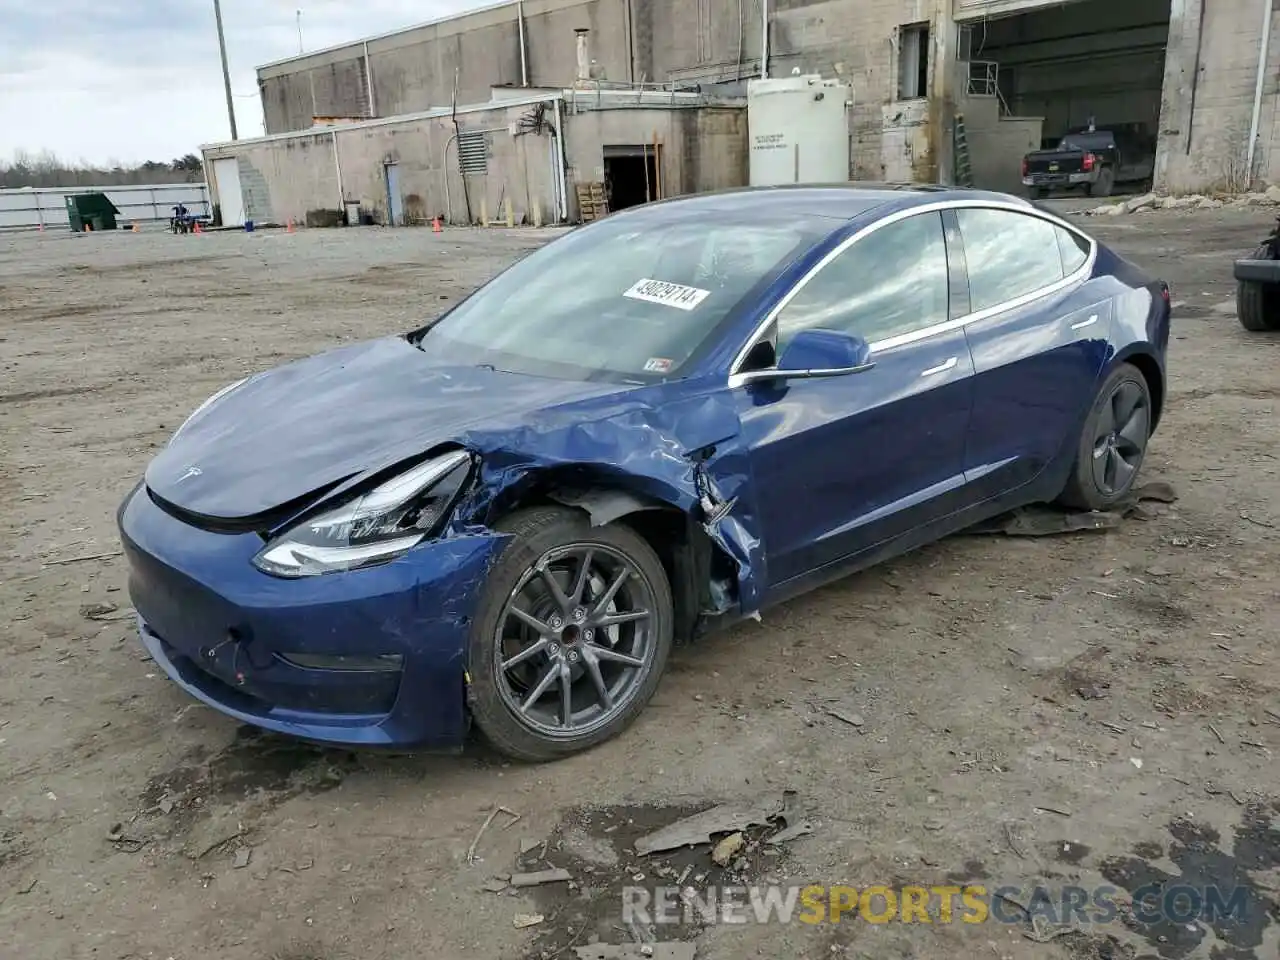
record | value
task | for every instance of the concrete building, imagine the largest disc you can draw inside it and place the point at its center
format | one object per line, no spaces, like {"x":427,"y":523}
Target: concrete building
{"x":521,"y":153}
{"x":1203,"y":77}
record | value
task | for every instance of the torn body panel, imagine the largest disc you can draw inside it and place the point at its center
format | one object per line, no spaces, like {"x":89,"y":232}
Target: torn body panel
{"x":683,"y":455}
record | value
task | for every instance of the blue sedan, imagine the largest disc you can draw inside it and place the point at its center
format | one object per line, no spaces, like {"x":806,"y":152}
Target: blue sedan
{"x":655,"y":425}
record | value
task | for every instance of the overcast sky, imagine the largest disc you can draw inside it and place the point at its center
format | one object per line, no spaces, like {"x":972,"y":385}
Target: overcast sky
{"x":133,"y":80}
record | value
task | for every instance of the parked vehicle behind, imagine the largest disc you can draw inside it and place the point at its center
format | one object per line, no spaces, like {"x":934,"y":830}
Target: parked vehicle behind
{"x":1091,"y":159}
{"x":1258,"y":285}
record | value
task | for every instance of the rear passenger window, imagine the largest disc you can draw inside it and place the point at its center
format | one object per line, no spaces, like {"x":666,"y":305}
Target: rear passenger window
{"x":1074,"y":249}
{"x":1009,"y":255}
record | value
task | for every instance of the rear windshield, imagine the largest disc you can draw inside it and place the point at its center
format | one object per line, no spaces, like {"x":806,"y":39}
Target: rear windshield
{"x":1086,"y":141}
{"x":631,"y":298}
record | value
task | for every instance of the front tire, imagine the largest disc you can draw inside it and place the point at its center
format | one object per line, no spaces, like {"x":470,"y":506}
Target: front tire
{"x":1258,"y":304}
{"x":571,"y":637}
{"x":1113,"y":443}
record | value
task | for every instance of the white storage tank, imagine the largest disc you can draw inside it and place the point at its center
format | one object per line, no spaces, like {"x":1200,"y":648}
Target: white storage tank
{"x":799,"y":130}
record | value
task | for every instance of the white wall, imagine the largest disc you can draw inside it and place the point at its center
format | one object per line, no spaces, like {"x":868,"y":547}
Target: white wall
{"x":30,"y":208}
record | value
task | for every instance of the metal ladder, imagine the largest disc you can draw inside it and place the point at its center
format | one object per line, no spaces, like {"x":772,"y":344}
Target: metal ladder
{"x":963,"y":166}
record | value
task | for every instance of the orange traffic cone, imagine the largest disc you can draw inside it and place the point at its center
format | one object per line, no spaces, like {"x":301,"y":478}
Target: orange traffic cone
{"x":435,"y":225}
{"x":87,"y":228}
{"x":290,"y":229}
{"x":135,"y":228}
{"x":198,"y":230}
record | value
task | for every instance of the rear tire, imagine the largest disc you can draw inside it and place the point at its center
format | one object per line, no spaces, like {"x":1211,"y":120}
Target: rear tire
{"x":1113,"y":442}
{"x":1037,"y":193}
{"x":580,"y":653}
{"x":1104,"y":184}
{"x":1258,"y":304}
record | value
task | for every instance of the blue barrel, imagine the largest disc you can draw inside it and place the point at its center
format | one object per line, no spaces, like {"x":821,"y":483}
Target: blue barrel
{"x":248,"y":226}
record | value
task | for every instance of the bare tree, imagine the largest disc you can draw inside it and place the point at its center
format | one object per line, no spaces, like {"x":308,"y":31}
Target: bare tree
{"x":45,"y":169}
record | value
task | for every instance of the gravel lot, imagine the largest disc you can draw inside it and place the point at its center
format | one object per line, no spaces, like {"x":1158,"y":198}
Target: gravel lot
{"x":1100,"y":708}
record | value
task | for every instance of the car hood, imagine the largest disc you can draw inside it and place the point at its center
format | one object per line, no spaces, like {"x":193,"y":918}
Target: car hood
{"x":295,"y":431}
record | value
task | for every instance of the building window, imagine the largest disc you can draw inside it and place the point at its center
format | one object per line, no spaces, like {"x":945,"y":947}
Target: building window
{"x":913,"y":61}
{"x":473,"y":153}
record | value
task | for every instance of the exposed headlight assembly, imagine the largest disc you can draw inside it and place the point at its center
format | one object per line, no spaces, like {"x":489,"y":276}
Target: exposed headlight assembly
{"x":209,"y":403}
{"x":375,"y":527}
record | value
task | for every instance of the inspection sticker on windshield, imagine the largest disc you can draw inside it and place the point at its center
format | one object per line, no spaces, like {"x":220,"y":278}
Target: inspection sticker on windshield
{"x":670,"y":294}
{"x":657,"y":365}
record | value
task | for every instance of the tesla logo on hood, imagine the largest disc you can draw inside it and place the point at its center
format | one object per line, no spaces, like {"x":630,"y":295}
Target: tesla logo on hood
{"x":191,"y":472}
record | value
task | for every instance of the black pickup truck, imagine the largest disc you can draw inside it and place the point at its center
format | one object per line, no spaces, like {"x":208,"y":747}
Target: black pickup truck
{"x":1093,"y":159}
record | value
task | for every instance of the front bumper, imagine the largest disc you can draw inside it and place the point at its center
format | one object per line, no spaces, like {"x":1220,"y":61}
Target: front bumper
{"x":1257,"y":271}
{"x":1048,"y":180}
{"x":230,"y":635}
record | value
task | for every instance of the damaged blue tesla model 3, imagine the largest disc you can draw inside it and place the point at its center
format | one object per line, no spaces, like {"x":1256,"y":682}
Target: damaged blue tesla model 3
{"x":667,"y":420}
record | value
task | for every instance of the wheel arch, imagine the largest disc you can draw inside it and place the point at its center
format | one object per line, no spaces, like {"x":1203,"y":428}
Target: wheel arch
{"x":703,"y":577}
{"x":1152,"y":373}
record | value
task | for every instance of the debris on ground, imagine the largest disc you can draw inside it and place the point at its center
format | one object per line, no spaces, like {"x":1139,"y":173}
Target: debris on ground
{"x":1046,"y":520}
{"x":522,"y":920}
{"x":471,"y":850}
{"x":722,"y":853}
{"x":539,"y":877}
{"x":636,"y":951}
{"x":847,"y":716}
{"x":242,"y":858}
{"x":117,"y":836}
{"x":703,"y":827}
{"x":1195,"y":201}
{"x":495,"y":885}
{"x":96,"y":611}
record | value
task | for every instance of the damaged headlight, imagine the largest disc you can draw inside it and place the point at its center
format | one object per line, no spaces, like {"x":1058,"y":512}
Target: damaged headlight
{"x":208,"y":403}
{"x":373,"y":528}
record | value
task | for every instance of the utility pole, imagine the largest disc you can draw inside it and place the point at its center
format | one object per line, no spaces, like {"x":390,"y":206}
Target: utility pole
{"x":226,"y":73}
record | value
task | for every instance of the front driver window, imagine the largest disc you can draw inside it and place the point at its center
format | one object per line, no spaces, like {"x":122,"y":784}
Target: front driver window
{"x":891,"y":282}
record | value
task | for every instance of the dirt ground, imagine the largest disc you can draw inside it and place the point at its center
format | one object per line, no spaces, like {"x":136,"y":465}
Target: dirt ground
{"x":1093,"y":709}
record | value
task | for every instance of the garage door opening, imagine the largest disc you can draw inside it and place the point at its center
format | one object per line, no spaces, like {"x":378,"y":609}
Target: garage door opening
{"x":1087,"y":63}
{"x":630,"y":176}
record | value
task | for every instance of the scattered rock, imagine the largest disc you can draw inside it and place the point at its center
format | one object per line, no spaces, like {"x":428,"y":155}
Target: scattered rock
{"x":582,"y":846}
{"x":522,"y":920}
{"x":95,"y":611}
{"x":728,"y":848}
{"x":243,"y":856}
{"x":1140,"y":203}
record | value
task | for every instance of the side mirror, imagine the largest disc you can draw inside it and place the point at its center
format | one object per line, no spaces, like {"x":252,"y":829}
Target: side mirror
{"x":818,"y":353}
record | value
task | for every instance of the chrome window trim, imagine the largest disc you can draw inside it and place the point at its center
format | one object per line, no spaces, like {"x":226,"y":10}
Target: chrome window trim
{"x":736,"y":379}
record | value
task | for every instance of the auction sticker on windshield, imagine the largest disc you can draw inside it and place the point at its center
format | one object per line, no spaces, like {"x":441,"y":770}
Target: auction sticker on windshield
{"x":669,"y":294}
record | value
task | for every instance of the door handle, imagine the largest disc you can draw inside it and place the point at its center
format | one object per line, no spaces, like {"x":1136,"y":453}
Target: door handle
{"x":940,"y":368}
{"x":1081,"y":324}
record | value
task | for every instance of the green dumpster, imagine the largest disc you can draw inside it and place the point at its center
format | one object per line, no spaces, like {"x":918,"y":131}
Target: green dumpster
{"x":93,"y":210}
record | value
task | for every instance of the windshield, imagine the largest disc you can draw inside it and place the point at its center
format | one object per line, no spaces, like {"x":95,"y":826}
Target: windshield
{"x":629,"y":299}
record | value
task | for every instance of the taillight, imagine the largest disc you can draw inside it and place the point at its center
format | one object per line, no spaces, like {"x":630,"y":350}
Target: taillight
{"x":1089,"y":161}
{"x":1164,"y":292}
{"x":1024,"y":166}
